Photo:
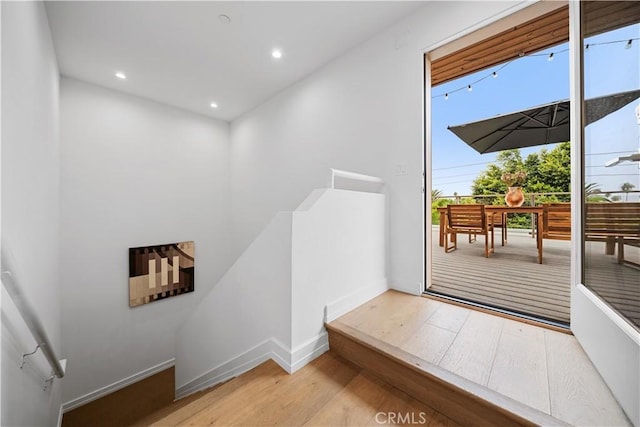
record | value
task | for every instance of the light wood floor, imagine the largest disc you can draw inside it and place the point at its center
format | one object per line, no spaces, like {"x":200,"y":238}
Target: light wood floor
{"x":329,"y":391}
{"x":544,"y":369}
{"x":512,"y":279}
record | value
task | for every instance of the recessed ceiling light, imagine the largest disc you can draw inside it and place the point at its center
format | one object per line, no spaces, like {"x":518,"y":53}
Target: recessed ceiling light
{"x":214,"y":105}
{"x":224,"y":18}
{"x":276,"y":53}
{"x":121,"y":75}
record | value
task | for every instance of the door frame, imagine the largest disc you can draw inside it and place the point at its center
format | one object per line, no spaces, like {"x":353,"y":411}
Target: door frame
{"x":510,"y":17}
{"x":596,"y":326}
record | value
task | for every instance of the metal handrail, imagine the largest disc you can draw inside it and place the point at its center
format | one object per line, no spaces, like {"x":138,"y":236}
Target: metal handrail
{"x":31,"y":319}
{"x":532,"y":196}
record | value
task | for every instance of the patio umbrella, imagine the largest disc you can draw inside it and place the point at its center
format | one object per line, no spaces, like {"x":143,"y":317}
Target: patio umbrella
{"x":546,"y":124}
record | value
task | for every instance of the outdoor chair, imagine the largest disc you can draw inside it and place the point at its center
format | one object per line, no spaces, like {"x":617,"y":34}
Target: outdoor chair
{"x":556,"y":221}
{"x":471,"y":220}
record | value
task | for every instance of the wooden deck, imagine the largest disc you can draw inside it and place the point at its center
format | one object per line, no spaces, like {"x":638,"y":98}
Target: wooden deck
{"x":512,"y":279}
{"x":617,"y":284}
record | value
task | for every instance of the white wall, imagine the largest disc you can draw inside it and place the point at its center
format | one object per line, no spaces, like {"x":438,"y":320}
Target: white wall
{"x":133,"y":173}
{"x":30,"y":207}
{"x":245,"y":319}
{"x":338,"y":247}
{"x":271,"y":303}
{"x":361,"y":113}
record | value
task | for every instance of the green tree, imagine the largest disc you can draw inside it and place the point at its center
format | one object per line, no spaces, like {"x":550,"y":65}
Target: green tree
{"x":593,"y":193}
{"x":439,"y":203}
{"x":548,"y":171}
{"x":555,"y":167}
{"x":626,"y":187}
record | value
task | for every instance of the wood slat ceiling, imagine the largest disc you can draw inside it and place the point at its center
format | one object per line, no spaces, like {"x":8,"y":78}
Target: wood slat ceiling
{"x":542,"y":32}
{"x":603,"y":16}
{"x":547,"y":30}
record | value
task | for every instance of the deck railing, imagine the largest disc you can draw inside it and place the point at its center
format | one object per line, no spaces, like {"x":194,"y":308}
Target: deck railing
{"x":533,"y":197}
{"x":532,"y":200}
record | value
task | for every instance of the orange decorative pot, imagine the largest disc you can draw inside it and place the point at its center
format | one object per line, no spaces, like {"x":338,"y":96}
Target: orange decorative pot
{"x":514,"y":197}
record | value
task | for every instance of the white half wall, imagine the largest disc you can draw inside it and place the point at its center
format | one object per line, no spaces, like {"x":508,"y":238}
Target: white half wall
{"x":338,"y":248}
{"x":244,"y":318}
{"x":329,"y":252}
{"x":362,"y":112}
{"x":133,"y":173}
{"x":612,"y":345}
{"x":30,"y":209}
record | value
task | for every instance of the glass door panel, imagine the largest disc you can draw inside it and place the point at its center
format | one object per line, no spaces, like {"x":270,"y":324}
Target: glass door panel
{"x":611,"y":123}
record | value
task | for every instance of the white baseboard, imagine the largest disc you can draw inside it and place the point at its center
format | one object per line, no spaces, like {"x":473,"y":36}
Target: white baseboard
{"x":411,"y":288}
{"x":308,"y":351}
{"x":101,"y":392}
{"x":229,"y":369}
{"x":281,"y":354}
{"x":271,"y":348}
{"x":335,"y":309}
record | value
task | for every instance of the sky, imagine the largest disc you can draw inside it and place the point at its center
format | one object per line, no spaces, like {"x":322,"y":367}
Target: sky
{"x":531,"y":81}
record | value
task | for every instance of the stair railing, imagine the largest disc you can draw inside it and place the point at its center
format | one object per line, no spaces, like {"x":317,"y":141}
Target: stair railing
{"x":32,"y":321}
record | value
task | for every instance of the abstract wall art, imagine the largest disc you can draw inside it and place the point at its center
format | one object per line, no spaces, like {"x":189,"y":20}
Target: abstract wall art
{"x":161,"y":271}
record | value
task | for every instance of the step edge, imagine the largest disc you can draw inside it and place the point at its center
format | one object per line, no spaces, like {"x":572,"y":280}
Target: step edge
{"x":472,"y":390}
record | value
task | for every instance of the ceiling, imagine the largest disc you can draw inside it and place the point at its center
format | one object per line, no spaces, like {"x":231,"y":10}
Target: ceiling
{"x":546,"y":30}
{"x":182,"y":54}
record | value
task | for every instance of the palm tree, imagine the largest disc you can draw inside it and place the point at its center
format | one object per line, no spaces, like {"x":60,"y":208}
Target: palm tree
{"x":593,"y":193}
{"x":435,"y":195}
{"x":626,"y":187}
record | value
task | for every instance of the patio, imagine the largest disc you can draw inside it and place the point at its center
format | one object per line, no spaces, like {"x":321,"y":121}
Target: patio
{"x":511,"y":278}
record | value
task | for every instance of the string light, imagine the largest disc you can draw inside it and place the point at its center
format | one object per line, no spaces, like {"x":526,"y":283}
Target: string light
{"x":550,"y":56}
{"x":469,"y":87}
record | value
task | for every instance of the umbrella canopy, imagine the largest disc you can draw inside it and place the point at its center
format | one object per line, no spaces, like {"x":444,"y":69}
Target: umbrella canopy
{"x":546,"y":124}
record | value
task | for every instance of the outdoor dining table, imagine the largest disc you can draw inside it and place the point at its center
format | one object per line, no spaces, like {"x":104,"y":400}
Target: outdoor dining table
{"x":492,"y":211}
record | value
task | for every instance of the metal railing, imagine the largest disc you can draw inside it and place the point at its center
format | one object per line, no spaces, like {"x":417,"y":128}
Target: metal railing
{"x":533,"y":196}
{"x":32,"y":321}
